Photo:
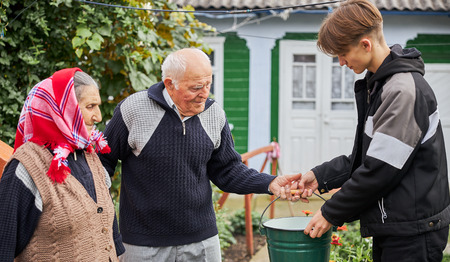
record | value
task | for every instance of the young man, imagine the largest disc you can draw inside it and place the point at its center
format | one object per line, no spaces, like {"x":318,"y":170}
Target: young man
{"x":395,"y":181}
{"x":173,"y":140}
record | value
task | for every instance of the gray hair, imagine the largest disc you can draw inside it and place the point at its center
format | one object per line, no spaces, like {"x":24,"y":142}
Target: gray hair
{"x":174,"y":66}
{"x":81,"y":79}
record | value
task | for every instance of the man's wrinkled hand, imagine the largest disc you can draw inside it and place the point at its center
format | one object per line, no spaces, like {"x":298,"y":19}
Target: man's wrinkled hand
{"x":281,"y":187}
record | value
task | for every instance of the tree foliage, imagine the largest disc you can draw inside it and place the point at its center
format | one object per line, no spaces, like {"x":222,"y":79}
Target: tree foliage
{"x":121,"y":48}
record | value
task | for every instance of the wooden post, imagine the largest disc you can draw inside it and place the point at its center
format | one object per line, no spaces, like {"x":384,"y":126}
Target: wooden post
{"x":248,"y":198}
{"x":248,"y":221}
{"x":5,"y":153}
{"x":249,"y":225}
{"x":272,"y":197}
{"x":222,"y":199}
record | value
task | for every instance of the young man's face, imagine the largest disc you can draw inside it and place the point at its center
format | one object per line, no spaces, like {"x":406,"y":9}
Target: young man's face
{"x":357,"y":58}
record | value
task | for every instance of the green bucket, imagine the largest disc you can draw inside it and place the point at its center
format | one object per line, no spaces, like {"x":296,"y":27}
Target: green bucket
{"x":286,"y":241}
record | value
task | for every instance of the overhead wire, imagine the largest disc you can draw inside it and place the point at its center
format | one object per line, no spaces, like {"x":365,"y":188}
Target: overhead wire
{"x":23,"y":10}
{"x":237,"y":11}
{"x":235,"y":25}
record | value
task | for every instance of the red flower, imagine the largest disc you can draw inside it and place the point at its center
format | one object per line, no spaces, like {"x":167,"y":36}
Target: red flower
{"x":307,"y":212}
{"x":335,"y":240}
{"x":342,"y":228}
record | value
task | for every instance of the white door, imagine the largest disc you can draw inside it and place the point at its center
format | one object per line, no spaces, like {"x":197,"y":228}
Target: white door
{"x":438,"y":76}
{"x":317,"y":114}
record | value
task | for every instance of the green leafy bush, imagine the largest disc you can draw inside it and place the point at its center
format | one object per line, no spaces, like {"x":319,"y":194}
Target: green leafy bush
{"x":347,"y":245}
{"x":226,"y":237}
{"x":122,"y":48}
{"x":446,"y":258}
{"x":237,"y":221}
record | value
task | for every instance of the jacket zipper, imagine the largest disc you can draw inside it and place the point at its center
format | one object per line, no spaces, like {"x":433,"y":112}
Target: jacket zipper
{"x":184,"y":128}
{"x":381,"y":207}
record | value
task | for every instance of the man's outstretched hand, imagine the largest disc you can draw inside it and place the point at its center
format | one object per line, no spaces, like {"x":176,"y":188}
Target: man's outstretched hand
{"x":281,"y":187}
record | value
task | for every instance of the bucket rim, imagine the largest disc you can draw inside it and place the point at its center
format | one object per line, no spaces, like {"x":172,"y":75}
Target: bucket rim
{"x":287,"y":219}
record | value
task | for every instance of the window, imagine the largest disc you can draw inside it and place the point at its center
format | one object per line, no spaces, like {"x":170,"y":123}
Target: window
{"x":342,"y":95}
{"x":304,"y":82}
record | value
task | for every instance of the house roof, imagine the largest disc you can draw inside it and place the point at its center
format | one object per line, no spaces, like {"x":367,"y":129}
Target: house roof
{"x":387,"y":5}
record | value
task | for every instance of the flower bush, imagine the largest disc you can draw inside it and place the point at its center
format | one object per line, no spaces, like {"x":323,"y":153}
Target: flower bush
{"x":348,"y":245}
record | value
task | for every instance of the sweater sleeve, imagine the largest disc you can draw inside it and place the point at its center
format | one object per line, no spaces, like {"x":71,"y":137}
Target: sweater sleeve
{"x":226,"y":170}
{"x":20,"y":210}
{"x":120,"y":249}
{"x":116,"y":133}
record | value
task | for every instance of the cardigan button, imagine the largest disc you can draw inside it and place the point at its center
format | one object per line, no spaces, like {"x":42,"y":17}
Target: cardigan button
{"x":108,"y":247}
{"x":104,"y":230}
{"x":100,"y":210}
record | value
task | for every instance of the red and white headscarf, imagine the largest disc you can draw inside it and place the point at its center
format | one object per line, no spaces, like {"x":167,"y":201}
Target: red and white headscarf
{"x":51,"y":117}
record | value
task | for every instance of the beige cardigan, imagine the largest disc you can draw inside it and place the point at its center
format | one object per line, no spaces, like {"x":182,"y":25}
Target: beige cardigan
{"x":72,"y":227}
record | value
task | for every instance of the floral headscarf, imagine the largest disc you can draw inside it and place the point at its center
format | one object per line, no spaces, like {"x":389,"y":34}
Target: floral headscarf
{"x":51,"y":117}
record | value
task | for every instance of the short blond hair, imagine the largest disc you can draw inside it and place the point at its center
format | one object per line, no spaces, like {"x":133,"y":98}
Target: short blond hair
{"x":347,"y":24}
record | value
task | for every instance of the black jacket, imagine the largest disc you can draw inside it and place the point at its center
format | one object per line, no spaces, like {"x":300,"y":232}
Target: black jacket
{"x":395,"y":181}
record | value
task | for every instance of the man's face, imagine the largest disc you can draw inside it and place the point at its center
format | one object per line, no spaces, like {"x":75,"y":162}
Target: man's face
{"x":193,"y":89}
{"x":357,"y":58}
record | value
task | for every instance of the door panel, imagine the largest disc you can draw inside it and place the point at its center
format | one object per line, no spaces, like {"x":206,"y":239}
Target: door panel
{"x":317,"y":116}
{"x":438,"y":76}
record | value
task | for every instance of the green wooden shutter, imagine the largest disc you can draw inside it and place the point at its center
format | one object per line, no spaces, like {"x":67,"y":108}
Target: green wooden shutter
{"x":236,"y":88}
{"x":434,"y":48}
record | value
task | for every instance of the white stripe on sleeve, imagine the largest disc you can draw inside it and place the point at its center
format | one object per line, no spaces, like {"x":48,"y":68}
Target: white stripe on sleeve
{"x":389,"y":150}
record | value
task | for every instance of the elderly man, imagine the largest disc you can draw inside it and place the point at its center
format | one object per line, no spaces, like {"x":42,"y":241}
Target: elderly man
{"x":173,"y":140}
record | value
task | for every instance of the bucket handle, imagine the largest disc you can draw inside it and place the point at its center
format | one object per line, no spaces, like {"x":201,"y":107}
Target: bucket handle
{"x":262,"y":215}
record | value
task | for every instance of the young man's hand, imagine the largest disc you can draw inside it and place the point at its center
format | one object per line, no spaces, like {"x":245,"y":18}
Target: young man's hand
{"x":307,"y":185}
{"x":317,"y":226}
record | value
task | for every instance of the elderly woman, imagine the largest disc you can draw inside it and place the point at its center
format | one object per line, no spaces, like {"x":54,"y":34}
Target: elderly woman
{"x":54,"y":198}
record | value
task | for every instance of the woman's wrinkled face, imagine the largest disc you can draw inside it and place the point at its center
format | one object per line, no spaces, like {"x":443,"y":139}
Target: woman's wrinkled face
{"x":89,"y":104}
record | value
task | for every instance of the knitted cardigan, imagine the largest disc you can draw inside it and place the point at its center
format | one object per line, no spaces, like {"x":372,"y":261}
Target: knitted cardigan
{"x":72,"y":226}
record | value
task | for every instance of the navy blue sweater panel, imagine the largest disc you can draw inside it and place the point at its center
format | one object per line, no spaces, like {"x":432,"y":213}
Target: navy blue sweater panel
{"x":226,"y":170}
{"x":169,"y":175}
